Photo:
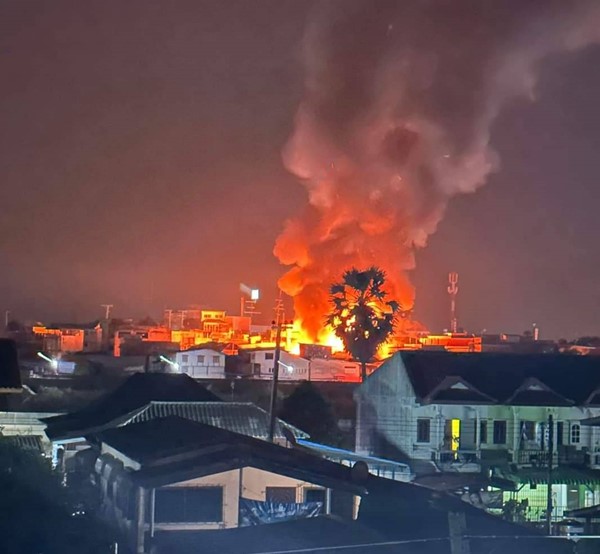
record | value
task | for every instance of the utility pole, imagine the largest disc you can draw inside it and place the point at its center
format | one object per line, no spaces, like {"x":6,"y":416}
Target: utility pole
{"x":549,"y":507}
{"x":273,"y":406}
{"x":457,"y":525}
{"x":107,"y":308}
{"x":453,"y":291}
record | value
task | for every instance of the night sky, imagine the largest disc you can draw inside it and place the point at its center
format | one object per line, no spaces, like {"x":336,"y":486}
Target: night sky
{"x":140,"y":165}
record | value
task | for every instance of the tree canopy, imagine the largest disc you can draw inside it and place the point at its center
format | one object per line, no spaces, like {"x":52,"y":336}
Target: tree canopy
{"x":308,"y":410}
{"x":39,"y":513}
{"x":361,"y":315}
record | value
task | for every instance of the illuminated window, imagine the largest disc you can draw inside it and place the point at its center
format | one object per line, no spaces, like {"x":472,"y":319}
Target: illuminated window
{"x":423,"y":430}
{"x":575,"y":433}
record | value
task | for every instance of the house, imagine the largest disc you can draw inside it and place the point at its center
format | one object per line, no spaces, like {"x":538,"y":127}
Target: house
{"x":70,"y":337}
{"x":68,"y":431}
{"x":291,"y":367}
{"x":201,"y":363}
{"x":488,"y":414}
{"x":174,"y":476}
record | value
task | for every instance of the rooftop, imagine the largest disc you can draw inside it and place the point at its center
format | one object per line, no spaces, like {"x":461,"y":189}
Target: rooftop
{"x":244,"y":418}
{"x":174,"y":449}
{"x":135,"y":393}
{"x":492,"y":378}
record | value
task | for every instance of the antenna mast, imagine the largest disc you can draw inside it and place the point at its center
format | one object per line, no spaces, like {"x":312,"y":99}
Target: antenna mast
{"x":452,"y":292}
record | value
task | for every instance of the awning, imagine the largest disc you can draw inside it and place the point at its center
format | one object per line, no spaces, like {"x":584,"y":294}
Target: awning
{"x":560,"y":476}
{"x":591,"y":421}
{"x":591,"y":512}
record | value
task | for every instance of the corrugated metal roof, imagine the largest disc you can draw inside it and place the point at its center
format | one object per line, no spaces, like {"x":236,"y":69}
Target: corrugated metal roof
{"x":244,"y":418}
{"x":29,"y":442}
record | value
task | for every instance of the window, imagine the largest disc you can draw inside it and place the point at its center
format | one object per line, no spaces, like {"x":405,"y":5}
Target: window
{"x":269,"y":356}
{"x":281,"y":494}
{"x":200,"y":359}
{"x":314,"y":495}
{"x":423,"y":430}
{"x":189,"y":505}
{"x":527,"y":430}
{"x":215,"y":360}
{"x":575,"y":433}
{"x":483,"y":437}
{"x":184,"y":358}
{"x":560,"y":431}
{"x":500,"y":432}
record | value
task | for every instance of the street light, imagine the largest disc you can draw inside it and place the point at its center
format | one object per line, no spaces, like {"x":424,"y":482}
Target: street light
{"x":173,"y":364}
{"x":53,"y":361}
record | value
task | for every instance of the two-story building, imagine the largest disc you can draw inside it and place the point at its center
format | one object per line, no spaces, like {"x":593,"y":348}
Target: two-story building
{"x":201,"y":363}
{"x":490,"y":414}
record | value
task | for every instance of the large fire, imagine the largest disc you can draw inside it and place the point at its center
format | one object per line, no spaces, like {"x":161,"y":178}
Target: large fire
{"x":326,"y":337}
{"x":396,"y":120}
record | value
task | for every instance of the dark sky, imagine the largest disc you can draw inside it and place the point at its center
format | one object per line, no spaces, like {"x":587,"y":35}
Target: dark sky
{"x":140,"y":165}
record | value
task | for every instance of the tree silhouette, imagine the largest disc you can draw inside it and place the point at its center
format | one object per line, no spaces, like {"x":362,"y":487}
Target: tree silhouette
{"x":307,"y":409}
{"x":361,"y":315}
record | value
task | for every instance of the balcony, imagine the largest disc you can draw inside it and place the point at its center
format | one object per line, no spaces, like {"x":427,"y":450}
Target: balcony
{"x":461,"y":461}
{"x":565,"y":456}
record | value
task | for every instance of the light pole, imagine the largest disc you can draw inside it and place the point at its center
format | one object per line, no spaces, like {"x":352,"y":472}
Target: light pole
{"x":273,"y":406}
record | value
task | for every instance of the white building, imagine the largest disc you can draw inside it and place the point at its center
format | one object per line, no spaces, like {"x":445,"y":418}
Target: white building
{"x":201,"y":363}
{"x":291,"y":367}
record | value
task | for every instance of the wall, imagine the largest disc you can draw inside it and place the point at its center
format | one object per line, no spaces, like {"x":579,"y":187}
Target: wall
{"x":201,"y":364}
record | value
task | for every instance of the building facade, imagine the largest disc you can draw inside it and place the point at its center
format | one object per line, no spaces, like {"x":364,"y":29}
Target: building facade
{"x":489,"y":414}
{"x":201,"y":363}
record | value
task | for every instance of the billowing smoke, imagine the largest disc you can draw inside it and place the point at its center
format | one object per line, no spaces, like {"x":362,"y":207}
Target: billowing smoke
{"x":399,"y":99}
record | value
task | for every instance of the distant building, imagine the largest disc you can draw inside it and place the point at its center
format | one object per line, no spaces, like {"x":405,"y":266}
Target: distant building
{"x":201,"y":363}
{"x":61,"y":338}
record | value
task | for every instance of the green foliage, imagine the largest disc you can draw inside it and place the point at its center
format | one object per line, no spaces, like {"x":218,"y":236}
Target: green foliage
{"x":37,"y":509}
{"x":306,"y":409}
{"x":361,"y":315}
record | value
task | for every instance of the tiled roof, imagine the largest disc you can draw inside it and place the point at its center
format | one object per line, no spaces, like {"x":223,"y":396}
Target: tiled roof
{"x":516,"y":379}
{"x":135,"y":393}
{"x":174,"y":449}
{"x":244,"y":418}
{"x":10,"y":378}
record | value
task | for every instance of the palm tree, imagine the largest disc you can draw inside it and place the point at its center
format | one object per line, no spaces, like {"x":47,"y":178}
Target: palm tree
{"x":360,"y":314}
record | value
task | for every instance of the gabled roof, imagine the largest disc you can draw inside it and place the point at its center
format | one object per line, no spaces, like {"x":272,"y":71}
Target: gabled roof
{"x":173,"y":449}
{"x":244,"y":418}
{"x":456,"y":390}
{"x":136,"y":392}
{"x":533,"y":392}
{"x":10,"y":377}
{"x":508,"y":378}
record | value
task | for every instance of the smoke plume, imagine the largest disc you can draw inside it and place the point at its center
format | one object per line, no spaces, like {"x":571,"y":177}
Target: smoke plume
{"x":395,"y":121}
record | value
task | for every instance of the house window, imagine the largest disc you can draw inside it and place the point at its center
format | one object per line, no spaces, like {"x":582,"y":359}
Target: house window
{"x":575,"y":433}
{"x":281,"y":494}
{"x":560,"y":431}
{"x":215,"y":360}
{"x":189,"y":505}
{"x":527,"y":431}
{"x":184,"y":358}
{"x":314,"y":495}
{"x":483,"y":437}
{"x":423,"y":430}
{"x":269,"y":356}
{"x":500,"y":432}
{"x":201,"y":359}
